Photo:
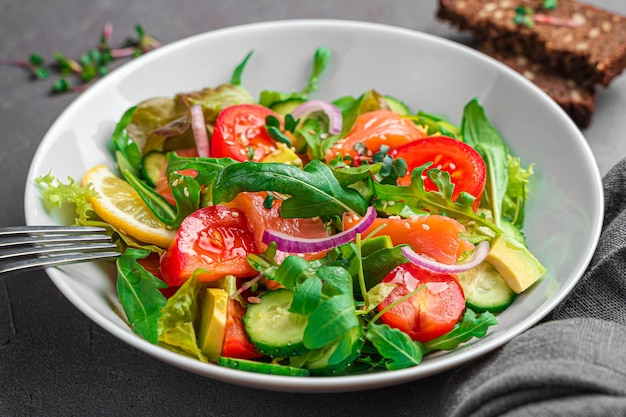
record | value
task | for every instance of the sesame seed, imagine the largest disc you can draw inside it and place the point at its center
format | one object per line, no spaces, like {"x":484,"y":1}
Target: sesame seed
{"x":425,"y":226}
{"x":186,"y":191}
{"x":407,"y":225}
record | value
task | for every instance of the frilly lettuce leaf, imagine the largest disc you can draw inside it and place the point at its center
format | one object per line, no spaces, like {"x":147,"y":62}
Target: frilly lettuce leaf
{"x":55,"y":193}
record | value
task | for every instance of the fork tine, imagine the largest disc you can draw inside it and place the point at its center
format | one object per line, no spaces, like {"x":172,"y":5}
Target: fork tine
{"x":35,"y":263}
{"x":15,"y":230}
{"x":45,"y":239}
{"x":30,"y":247}
{"x":54,"y":249}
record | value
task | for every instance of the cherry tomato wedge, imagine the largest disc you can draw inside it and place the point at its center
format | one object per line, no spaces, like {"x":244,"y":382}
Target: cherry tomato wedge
{"x":216,"y":239}
{"x":464,"y":164}
{"x":435,"y":236}
{"x":376,"y":128}
{"x":236,"y":343}
{"x":432,"y":311}
{"x":240,"y":131}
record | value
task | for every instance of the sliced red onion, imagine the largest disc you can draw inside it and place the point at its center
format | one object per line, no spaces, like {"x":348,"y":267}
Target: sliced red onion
{"x":479,"y":255}
{"x":291,"y":244}
{"x":198,"y":126}
{"x":335,"y":120}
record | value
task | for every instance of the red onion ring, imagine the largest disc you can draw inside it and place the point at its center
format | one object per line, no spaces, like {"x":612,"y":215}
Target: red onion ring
{"x":335,"y":121}
{"x":198,"y":126}
{"x":479,"y":255}
{"x":291,"y":244}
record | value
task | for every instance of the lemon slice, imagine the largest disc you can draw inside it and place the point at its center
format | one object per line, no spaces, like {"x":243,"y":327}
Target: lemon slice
{"x":121,"y":206}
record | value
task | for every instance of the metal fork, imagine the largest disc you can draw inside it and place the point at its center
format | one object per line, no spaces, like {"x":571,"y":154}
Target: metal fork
{"x":32,"y":247}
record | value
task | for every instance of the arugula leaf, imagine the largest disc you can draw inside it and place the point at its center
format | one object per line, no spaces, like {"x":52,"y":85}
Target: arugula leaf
{"x":480,"y":133}
{"x":395,"y":346}
{"x":138,"y":291}
{"x":314,"y":191}
{"x":470,"y":326}
{"x":435,"y":202}
{"x":320,"y":62}
{"x":124,"y":143}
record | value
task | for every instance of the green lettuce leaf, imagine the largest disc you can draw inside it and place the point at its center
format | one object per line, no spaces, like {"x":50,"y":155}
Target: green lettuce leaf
{"x":176,"y":324}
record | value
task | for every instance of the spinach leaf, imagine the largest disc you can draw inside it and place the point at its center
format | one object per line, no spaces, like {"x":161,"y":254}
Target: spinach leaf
{"x":334,"y":317}
{"x":470,"y":326}
{"x":480,"y":133}
{"x":314,"y":191}
{"x":395,"y":346}
{"x":138,"y":291}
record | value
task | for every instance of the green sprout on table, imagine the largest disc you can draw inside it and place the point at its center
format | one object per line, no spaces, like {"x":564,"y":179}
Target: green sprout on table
{"x":76,"y":75}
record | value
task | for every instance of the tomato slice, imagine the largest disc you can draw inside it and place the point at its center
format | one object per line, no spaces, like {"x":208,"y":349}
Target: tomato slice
{"x":464,"y":164}
{"x":239,"y":128}
{"x":236,"y":343}
{"x":437,"y":237}
{"x":376,"y":128}
{"x":432,"y":311}
{"x":214,"y":238}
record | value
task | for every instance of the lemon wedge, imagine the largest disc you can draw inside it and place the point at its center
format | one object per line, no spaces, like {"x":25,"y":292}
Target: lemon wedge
{"x":121,"y":206}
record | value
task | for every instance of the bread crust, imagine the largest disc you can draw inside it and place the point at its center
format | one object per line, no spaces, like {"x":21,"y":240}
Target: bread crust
{"x":578,"y":101}
{"x":592,"y":49}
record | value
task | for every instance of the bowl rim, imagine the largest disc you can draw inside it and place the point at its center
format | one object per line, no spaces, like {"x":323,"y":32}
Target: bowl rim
{"x":308,"y":384}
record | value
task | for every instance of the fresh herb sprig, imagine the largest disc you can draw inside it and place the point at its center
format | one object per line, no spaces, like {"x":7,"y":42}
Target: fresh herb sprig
{"x":75,"y":75}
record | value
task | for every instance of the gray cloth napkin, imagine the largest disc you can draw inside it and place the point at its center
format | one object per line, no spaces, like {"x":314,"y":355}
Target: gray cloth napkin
{"x":574,"y":362}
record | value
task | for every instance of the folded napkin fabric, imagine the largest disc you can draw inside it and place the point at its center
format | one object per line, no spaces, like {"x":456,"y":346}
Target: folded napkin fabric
{"x":573,"y":363}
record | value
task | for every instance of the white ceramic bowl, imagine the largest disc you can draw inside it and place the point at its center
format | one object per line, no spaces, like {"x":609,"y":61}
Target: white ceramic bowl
{"x":564,"y":214}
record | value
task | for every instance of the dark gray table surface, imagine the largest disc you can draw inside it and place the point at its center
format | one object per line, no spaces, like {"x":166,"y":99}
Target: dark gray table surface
{"x":56,"y":362}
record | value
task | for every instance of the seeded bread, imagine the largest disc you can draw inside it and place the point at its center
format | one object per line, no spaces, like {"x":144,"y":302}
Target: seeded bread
{"x":586,"y":43}
{"x":578,"y":101}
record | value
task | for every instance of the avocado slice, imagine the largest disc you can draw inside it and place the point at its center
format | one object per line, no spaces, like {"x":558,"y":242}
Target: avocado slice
{"x":512,"y":259}
{"x":213,"y":322}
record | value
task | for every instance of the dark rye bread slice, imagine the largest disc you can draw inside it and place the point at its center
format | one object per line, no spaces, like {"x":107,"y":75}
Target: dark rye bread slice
{"x":590,"y":47}
{"x":578,"y":101}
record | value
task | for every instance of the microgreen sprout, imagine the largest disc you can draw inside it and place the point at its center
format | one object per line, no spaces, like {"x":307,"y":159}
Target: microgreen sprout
{"x":527,"y":16}
{"x":35,"y":64}
{"x":90,"y":66}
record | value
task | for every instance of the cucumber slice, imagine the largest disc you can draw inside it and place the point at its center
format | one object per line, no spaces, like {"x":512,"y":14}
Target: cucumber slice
{"x":262,"y":367}
{"x":485,"y":289}
{"x":287,"y":106}
{"x":153,"y":166}
{"x":272,"y":329}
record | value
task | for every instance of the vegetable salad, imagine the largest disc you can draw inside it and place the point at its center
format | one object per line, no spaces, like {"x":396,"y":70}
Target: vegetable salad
{"x":298,"y":236}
